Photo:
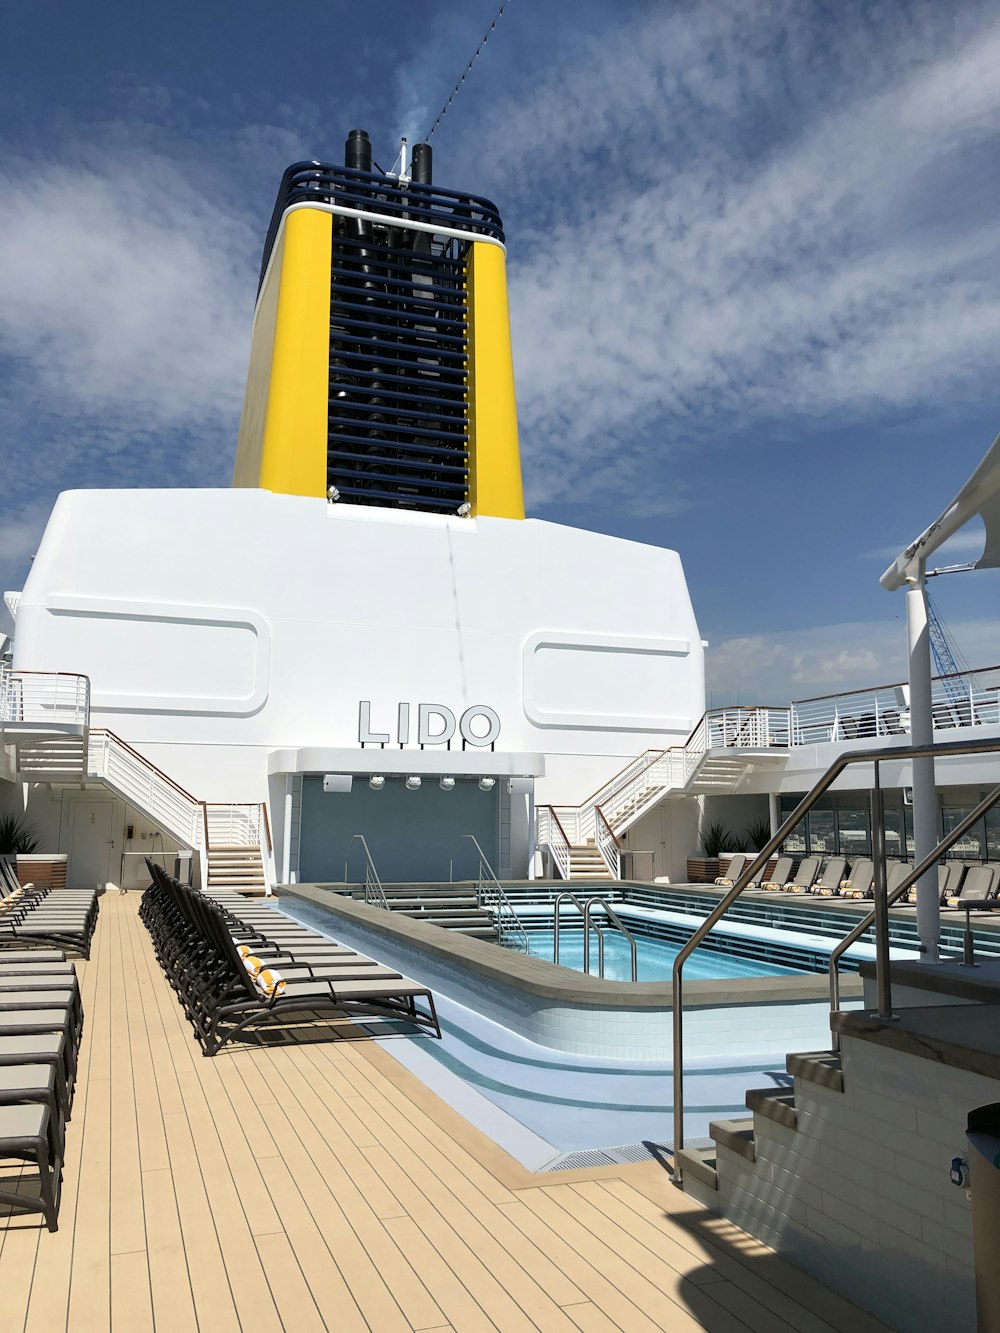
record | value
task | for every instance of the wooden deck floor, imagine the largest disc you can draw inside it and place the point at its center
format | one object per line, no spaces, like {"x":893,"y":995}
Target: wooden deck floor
{"x":320,"y":1186}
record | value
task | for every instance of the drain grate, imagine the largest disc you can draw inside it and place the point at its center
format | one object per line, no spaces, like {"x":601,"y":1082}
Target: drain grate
{"x":619,"y":1156}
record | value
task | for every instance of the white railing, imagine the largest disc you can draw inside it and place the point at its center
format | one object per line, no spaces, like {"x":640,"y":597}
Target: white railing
{"x":145,"y":786}
{"x":607,"y":844}
{"x":969,"y":699}
{"x":243,"y":825}
{"x":46,"y":697}
{"x":550,"y":833}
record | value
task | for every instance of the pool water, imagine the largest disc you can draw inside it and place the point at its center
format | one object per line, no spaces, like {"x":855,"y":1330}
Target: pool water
{"x":655,"y":958}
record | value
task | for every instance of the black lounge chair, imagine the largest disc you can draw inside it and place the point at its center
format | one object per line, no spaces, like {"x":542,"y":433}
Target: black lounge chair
{"x":225,"y":992}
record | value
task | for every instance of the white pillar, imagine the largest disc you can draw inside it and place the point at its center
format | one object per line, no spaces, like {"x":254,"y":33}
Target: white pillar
{"x":925,"y":820}
{"x":286,"y":832}
{"x":774,"y":811}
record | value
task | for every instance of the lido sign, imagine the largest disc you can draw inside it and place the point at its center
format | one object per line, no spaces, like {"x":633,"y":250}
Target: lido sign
{"x":436,"y":725}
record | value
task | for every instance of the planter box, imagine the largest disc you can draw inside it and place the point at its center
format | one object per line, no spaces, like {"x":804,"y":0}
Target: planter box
{"x":44,"y":870}
{"x":703,"y":869}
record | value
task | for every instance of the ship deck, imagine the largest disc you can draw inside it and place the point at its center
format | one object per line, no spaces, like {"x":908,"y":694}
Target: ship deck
{"x":319,"y":1185}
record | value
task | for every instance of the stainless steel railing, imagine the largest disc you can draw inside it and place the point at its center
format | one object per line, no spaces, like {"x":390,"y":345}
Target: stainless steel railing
{"x":374,"y":892}
{"x":879,"y":916}
{"x":491,"y":894}
{"x":585,"y":910}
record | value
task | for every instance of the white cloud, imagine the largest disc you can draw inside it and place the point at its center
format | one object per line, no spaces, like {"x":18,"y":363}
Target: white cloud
{"x":709,"y":244}
{"x":775,"y":668}
{"x":125,"y":300}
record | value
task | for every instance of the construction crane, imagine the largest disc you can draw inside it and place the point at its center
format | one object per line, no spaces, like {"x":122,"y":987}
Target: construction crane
{"x":948,"y":660}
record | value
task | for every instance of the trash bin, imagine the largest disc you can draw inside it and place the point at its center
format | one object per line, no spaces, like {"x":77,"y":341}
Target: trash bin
{"x":983,"y":1135}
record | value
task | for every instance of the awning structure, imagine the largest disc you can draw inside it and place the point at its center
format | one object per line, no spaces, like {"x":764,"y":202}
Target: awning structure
{"x":980,"y":495}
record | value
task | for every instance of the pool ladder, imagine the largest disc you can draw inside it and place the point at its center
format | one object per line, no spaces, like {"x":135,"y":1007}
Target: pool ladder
{"x":585,"y":910}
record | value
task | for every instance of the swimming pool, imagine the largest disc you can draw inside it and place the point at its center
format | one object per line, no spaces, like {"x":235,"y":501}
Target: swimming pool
{"x":655,"y":958}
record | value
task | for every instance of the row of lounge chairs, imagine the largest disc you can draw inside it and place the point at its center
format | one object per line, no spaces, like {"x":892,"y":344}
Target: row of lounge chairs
{"x":957,"y":883}
{"x":234,"y":964}
{"x":59,"y":918}
{"x":41,"y":1023}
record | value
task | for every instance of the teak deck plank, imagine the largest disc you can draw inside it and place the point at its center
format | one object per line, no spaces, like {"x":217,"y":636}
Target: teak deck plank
{"x":319,"y":1185}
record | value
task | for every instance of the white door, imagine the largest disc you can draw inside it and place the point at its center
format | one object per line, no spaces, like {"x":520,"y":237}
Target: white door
{"x":90,"y":857}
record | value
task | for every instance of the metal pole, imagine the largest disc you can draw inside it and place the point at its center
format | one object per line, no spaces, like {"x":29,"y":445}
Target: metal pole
{"x":286,"y":833}
{"x":924,"y":792}
{"x":882,"y":980}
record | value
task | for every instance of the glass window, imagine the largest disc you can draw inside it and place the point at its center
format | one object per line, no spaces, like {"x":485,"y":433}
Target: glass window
{"x":993,"y":833}
{"x":854,"y":836}
{"x":970,"y":846}
{"x":893,"y":831}
{"x":795,"y":843}
{"x":821,"y":832}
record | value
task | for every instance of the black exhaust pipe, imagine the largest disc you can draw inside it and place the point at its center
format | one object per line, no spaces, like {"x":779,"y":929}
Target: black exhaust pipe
{"x":422,"y":166}
{"x":358,"y":151}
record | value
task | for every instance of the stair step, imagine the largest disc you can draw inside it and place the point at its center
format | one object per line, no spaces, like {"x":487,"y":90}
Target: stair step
{"x":776,"y":1104}
{"x":736,"y":1135}
{"x":699,"y":1163}
{"x":820,"y":1067}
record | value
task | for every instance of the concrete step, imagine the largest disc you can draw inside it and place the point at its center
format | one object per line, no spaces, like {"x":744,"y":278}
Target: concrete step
{"x":699,"y":1163}
{"x":736,"y":1135}
{"x":777,"y":1104}
{"x":820,"y":1067}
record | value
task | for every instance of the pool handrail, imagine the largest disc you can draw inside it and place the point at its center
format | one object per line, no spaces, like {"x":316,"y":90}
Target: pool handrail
{"x":374,"y":892}
{"x":584,"y":909}
{"x":489,"y":887}
{"x":894,"y":754}
{"x":617,"y":922}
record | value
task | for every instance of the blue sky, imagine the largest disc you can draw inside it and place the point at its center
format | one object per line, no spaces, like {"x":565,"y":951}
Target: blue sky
{"x":753,"y":256}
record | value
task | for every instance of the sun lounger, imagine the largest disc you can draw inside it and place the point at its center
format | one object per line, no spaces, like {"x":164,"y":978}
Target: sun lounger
{"x":782,"y":869}
{"x":804,"y":876}
{"x":859,"y":883}
{"x":734,"y":869}
{"x":829,"y":880}
{"x":979,"y":884}
{"x":225,"y":991}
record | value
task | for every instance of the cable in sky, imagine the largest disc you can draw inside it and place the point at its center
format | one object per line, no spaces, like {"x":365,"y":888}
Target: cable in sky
{"x":475,"y":56}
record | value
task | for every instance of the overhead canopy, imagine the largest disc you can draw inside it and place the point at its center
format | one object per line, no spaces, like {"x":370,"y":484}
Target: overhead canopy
{"x":980,"y":495}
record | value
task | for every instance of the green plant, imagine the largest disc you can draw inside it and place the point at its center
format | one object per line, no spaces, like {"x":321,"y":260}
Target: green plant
{"x":739,"y":843}
{"x":716,"y":838}
{"x":16,"y":834}
{"x":758,"y":834}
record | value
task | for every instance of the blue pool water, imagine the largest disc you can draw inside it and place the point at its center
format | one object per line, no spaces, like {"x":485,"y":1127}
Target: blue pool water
{"x":655,"y":958}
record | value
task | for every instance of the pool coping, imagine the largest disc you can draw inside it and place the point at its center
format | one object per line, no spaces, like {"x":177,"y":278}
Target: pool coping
{"x":549,"y":982}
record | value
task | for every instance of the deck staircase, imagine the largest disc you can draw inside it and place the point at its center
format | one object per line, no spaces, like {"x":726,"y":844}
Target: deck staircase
{"x":45,"y":725}
{"x":588,"y":865}
{"x":239,"y":869}
{"x":722,"y":749}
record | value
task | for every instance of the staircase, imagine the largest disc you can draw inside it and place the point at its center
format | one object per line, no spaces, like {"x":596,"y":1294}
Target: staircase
{"x":239,"y":869}
{"x":721,"y":750}
{"x":451,"y":906}
{"x":587,"y":864}
{"x":45,"y":720}
{"x":844,"y":1171}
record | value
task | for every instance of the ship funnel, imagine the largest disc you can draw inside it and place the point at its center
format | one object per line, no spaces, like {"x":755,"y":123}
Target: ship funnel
{"x":358,"y":151}
{"x":422,"y":166}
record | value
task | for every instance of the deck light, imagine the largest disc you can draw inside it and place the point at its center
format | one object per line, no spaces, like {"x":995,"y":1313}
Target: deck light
{"x":446,"y":784}
{"x":487,"y":784}
{"x":376,"y":782}
{"x":412,"y":782}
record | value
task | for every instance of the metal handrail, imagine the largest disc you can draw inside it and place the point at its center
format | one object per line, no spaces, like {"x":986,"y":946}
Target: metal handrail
{"x":750,"y":873}
{"x":488,"y":887}
{"x":912,"y":877}
{"x":617,"y":922}
{"x":584,"y":910}
{"x":374,"y":891}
